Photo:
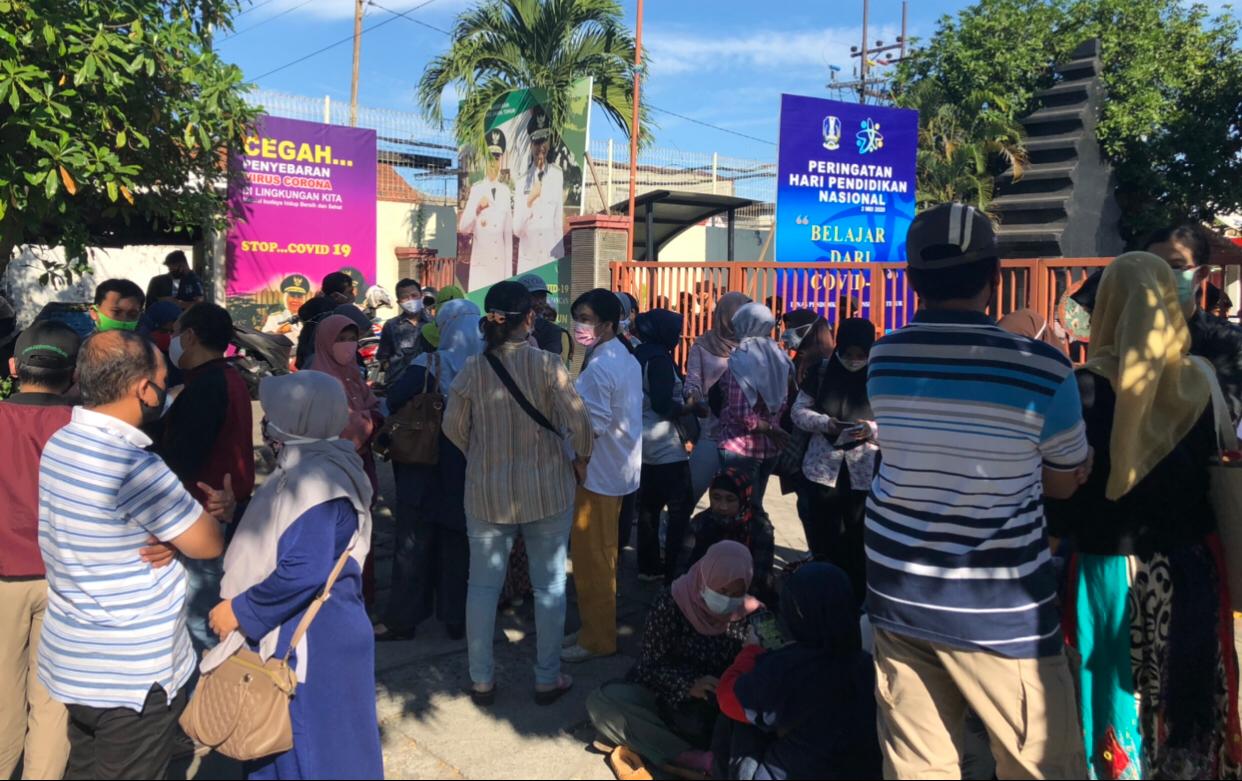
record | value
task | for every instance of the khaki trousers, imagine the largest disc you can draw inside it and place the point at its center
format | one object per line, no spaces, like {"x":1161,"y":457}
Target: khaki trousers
{"x":1028,"y":707}
{"x":31,"y":722}
{"x":593,"y":549}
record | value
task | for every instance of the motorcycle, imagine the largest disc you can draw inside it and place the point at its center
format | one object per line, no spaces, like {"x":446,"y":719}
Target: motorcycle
{"x":259,"y":355}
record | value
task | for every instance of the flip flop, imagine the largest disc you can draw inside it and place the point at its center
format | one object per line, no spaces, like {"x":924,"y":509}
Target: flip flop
{"x":552,"y":695}
{"x":627,"y":765}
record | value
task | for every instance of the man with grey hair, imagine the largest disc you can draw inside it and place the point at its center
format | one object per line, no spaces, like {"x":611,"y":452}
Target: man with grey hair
{"x":115,"y":648}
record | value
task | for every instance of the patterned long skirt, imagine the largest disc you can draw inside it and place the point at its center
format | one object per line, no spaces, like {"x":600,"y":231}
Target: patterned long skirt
{"x":1171,"y":711}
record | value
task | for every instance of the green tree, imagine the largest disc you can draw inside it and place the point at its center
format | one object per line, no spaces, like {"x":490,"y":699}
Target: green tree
{"x":503,"y":45}
{"x":1173,"y":80}
{"x":962,"y":145}
{"x":111,"y":113}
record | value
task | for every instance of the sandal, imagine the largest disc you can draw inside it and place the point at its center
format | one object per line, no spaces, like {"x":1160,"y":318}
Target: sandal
{"x":563,"y":684}
{"x":627,"y":765}
{"x":483,"y":699}
{"x":389,"y":636}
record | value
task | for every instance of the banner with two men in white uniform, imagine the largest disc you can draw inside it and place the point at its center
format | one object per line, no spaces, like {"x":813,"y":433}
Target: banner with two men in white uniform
{"x":512,"y":219}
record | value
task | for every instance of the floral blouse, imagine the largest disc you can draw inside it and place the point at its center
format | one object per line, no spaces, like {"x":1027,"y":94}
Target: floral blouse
{"x":674,"y":655}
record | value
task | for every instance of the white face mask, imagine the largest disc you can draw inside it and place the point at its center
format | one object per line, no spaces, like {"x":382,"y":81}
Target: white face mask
{"x":175,"y":350}
{"x":413,"y":306}
{"x":285,"y":439}
{"x":719,"y":603}
{"x":625,"y":324}
{"x":852,"y":366}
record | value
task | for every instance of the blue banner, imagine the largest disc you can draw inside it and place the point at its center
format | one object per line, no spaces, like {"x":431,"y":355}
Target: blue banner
{"x":845,"y":193}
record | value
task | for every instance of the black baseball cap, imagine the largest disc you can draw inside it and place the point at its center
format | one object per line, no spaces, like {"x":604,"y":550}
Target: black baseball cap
{"x":949,"y":235}
{"x":47,"y":344}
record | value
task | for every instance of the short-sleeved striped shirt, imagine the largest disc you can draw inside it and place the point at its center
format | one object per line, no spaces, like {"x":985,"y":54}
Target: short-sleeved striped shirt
{"x":957,"y":550}
{"x":114,"y":626}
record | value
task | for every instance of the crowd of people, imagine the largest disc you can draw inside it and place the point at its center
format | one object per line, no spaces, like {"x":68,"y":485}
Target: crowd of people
{"x":1013,"y":565}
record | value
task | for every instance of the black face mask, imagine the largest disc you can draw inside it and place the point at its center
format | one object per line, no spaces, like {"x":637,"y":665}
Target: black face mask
{"x":153,"y":412}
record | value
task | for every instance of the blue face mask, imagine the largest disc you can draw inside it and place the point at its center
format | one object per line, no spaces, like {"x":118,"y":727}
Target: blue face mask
{"x":1187,"y":290}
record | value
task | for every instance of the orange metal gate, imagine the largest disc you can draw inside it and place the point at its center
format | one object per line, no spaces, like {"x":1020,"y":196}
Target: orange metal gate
{"x":876,"y":291}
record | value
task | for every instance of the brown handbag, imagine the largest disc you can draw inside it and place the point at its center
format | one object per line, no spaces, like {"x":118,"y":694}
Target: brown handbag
{"x":411,"y":435}
{"x":241,"y":708}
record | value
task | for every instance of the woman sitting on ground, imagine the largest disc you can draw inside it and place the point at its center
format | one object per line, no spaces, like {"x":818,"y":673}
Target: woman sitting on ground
{"x":732,"y":517}
{"x":806,"y":710}
{"x":665,"y":710}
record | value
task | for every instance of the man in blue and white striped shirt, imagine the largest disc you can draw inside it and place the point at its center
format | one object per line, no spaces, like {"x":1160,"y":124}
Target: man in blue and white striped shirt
{"x":976,"y":427}
{"x":114,"y":646}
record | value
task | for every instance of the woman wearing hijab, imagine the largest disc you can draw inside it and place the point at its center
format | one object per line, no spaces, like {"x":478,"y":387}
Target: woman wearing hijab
{"x":312,"y":313}
{"x":841,"y":455}
{"x":805,"y":710}
{"x":708,"y":359}
{"x":1147,"y":607}
{"x":751,"y":397}
{"x":665,"y":710}
{"x":336,"y":354}
{"x":730,"y":516}
{"x":1033,"y":325}
{"x":431,"y":555}
{"x":429,"y":334}
{"x":312,"y":510}
{"x":665,"y":480}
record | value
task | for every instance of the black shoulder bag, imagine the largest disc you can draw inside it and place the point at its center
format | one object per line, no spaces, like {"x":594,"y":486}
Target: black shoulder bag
{"x":507,"y":380}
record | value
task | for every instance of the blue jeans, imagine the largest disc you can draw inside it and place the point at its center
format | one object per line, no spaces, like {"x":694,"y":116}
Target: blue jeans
{"x":202,"y":594}
{"x":547,"y":541}
{"x":759,"y":469}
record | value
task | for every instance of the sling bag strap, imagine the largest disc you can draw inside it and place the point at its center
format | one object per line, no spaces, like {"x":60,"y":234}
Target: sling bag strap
{"x":507,"y":380}
{"x":313,"y":609}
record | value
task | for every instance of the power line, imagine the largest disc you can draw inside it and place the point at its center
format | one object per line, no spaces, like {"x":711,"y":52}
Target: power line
{"x":653,"y":108}
{"x":273,"y":17}
{"x":406,"y":15}
{"x":253,"y":8}
{"x":713,"y":127}
{"x":347,"y":39}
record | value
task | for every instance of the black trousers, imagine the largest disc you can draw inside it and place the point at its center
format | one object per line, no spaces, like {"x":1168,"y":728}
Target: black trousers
{"x":663,"y":485}
{"x":108,"y":743}
{"x":430,"y":562}
{"x":834,"y":520}
{"x":625,"y":521}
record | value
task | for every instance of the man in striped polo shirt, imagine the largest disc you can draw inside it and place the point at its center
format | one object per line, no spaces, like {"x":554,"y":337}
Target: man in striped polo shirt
{"x":976,"y":427}
{"x":114,"y":646}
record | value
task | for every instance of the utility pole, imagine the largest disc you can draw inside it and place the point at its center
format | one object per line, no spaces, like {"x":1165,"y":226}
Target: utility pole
{"x":865,"y":84}
{"x":638,"y":61}
{"x":359,"y":6}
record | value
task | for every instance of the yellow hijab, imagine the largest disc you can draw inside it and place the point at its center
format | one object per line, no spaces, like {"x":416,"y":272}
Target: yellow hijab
{"x":1140,"y":343}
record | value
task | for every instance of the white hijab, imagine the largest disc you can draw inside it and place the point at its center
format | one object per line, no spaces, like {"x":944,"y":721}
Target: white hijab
{"x":759,"y":364}
{"x":305,"y":411}
{"x":458,"y":321}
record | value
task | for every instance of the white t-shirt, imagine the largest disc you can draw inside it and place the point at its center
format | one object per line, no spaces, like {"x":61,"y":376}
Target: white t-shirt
{"x":611,"y":387}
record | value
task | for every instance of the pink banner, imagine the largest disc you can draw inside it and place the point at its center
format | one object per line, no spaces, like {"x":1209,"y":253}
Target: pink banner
{"x":308,"y":202}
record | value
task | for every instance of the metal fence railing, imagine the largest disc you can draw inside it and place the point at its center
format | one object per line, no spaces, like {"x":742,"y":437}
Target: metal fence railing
{"x":879,"y":292}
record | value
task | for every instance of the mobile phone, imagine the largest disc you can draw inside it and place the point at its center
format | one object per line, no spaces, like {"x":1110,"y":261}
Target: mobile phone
{"x":767,"y":630}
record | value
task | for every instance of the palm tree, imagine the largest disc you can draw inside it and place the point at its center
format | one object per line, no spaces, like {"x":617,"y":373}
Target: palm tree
{"x":503,"y":45}
{"x":962,"y":144}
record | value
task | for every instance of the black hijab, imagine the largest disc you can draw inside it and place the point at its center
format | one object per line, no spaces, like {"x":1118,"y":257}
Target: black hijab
{"x":843,"y":393}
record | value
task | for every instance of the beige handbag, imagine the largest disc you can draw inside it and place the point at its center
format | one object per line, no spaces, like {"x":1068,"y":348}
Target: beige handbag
{"x":241,"y":708}
{"x":1226,"y":487}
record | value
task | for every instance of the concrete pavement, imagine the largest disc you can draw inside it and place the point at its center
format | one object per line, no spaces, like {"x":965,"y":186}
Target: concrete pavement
{"x":430,"y":728}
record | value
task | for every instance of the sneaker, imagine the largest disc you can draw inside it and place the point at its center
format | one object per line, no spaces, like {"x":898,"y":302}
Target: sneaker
{"x":576,"y":654}
{"x":569,"y":639}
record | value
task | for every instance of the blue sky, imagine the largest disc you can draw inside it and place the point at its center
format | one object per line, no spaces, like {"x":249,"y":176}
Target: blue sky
{"x":722,"y":62}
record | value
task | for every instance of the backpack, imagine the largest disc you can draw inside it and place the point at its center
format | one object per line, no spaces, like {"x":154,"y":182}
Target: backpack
{"x":411,"y":435}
